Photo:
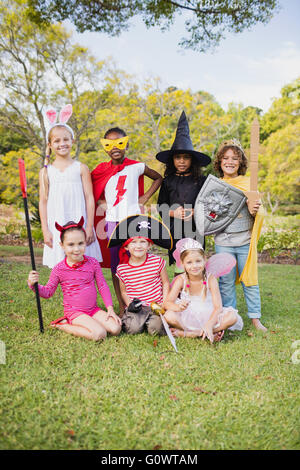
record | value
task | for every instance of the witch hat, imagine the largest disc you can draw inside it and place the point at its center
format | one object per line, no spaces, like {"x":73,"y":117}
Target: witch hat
{"x":183,"y":144}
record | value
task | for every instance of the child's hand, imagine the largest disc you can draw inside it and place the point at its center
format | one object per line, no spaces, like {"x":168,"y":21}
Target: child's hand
{"x":142,"y":200}
{"x":183,"y":305}
{"x":112,"y":314}
{"x":90,"y":237}
{"x":254,"y":208}
{"x":179,"y":213}
{"x":33,"y":277}
{"x":188,"y":214}
{"x":208,"y":332}
{"x":48,"y":238}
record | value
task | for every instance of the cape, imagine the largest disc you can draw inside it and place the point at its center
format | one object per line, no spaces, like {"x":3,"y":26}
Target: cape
{"x":100,"y":176}
{"x":249,"y":275}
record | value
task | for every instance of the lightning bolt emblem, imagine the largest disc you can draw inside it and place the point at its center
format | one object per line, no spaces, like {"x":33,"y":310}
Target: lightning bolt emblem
{"x":120,"y":189}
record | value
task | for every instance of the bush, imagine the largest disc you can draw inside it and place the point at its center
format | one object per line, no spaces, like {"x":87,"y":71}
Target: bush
{"x":277,"y":241}
{"x":37,"y":234}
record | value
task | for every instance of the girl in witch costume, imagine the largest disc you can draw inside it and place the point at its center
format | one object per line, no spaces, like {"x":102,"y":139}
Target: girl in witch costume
{"x":118,"y":187}
{"x":66,"y":191}
{"x":143,"y":275}
{"x":181,"y":184}
{"x":241,"y":236}
{"x":77,"y":275}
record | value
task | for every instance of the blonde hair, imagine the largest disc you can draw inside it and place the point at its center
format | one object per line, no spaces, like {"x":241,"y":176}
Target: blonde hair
{"x":44,"y":172}
{"x":184,"y":254}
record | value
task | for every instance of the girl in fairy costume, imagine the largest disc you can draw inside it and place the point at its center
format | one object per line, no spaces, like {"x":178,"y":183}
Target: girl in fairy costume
{"x":194,"y":305}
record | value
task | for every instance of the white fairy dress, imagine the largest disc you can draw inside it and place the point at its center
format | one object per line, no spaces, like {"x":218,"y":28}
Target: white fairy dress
{"x":199,"y":310}
{"x":66,"y":202}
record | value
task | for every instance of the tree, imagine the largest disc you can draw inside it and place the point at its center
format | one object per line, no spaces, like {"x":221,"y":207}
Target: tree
{"x":10,"y":192}
{"x":283,"y":111}
{"x":279,"y":172}
{"x":206,"y":24}
{"x":241,"y":120}
{"x":10,"y":140}
{"x":39,"y":67}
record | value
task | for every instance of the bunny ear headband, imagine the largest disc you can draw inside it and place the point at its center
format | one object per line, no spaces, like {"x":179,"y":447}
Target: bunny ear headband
{"x":64,"y":116}
{"x":70,"y":225}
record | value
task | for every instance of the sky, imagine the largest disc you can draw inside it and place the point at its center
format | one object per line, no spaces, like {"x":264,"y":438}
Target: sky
{"x":248,"y":68}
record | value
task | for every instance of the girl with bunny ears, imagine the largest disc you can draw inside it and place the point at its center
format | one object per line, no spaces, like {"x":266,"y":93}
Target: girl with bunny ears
{"x":65,"y":190}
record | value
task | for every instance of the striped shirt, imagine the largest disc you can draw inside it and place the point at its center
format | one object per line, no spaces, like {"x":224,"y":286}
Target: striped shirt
{"x":143,"y":281}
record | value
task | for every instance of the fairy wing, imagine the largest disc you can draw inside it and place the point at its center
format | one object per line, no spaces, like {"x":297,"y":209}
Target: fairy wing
{"x":220,"y":264}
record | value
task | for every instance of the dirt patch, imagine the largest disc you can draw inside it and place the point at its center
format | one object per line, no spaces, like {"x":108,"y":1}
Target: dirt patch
{"x":22,"y":259}
{"x":283,"y":258}
{"x":13,"y":240}
{"x":264,"y":257}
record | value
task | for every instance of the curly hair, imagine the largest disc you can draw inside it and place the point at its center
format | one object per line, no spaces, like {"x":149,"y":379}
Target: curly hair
{"x":238,"y":152}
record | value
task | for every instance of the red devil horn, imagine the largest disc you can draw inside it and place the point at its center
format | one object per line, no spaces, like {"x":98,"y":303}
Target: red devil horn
{"x":81,"y":222}
{"x":59,"y":227}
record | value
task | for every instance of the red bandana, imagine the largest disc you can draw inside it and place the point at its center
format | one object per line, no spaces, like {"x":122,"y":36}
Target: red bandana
{"x":123,"y":253}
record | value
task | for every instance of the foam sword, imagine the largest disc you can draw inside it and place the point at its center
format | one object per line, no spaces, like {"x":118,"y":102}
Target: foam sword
{"x":156,"y":308}
{"x":23,"y":184}
{"x":253,"y":195}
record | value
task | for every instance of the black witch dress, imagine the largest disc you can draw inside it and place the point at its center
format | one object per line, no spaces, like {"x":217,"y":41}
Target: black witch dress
{"x":179,"y":190}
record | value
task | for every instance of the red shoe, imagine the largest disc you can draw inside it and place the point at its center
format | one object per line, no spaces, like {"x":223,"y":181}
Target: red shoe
{"x":59,"y":320}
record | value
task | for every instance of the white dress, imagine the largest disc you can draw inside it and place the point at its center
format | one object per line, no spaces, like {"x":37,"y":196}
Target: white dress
{"x":66,"y":202}
{"x":199,"y":310}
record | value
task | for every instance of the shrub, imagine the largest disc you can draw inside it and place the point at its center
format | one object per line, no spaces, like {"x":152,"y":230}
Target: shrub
{"x":277,"y":241}
{"x":37,"y":234}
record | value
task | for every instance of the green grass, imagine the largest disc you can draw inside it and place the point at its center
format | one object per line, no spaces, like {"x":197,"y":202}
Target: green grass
{"x":134,"y":392}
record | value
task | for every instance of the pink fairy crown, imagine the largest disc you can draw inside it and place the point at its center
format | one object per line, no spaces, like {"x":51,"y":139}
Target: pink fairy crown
{"x":218,"y":264}
{"x":63,"y":117}
{"x":183,"y":245}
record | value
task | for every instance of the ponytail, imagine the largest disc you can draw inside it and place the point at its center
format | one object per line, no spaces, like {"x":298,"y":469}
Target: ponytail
{"x":44,"y":176}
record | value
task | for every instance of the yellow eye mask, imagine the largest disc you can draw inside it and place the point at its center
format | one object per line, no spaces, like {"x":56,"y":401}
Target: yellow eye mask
{"x":109,"y":144}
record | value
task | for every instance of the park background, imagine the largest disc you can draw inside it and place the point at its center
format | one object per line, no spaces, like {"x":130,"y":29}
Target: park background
{"x":133,"y":393}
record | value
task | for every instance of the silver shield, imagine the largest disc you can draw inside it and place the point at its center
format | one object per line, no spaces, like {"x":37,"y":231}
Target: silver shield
{"x":217,"y":205}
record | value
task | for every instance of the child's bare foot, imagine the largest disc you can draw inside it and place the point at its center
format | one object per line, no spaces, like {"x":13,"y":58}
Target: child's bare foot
{"x":177,"y":333}
{"x":185,"y":333}
{"x":258,"y":325}
{"x":218,"y":336}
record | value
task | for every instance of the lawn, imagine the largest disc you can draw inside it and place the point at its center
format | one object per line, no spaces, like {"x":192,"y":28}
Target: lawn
{"x":62,"y":392}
